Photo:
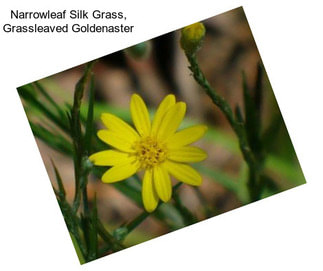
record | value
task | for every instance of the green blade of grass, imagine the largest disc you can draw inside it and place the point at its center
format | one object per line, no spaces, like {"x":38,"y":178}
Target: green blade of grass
{"x":61,"y":189}
{"x":89,"y":119}
{"x":72,"y":224}
{"x":77,"y":137}
{"x":108,"y":238}
{"x":219,"y":177}
{"x":77,"y":249}
{"x":55,"y":141}
{"x":252,"y":117}
{"x":51,"y":101}
{"x":122,"y":232}
{"x":93,"y":235}
{"x":28,"y":96}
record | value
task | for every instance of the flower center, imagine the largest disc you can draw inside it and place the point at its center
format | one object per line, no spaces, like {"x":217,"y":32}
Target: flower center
{"x":150,"y":152}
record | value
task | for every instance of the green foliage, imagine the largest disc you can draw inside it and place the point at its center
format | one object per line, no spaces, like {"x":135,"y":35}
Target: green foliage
{"x":54,"y":140}
{"x":77,"y":123}
{"x":89,"y":223}
{"x":27,"y":94}
{"x":70,"y":129}
{"x":89,"y":120}
{"x":248,"y":130}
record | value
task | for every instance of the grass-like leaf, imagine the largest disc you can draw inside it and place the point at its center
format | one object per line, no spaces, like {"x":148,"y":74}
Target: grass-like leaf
{"x":61,"y":189}
{"x":252,"y":117}
{"x":112,"y":243}
{"x":50,"y":100}
{"x":27,"y":93}
{"x":77,"y":136}
{"x":89,"y":119}
{"x":93,"y":234}
{"x":72,"y":224}
{"x":77,"y":249}
{"x":55,"y":141}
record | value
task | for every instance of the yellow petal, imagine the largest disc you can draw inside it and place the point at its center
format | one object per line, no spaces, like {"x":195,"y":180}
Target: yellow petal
{"x":184,"y":173}
{"x":187,"y":154}
{"x":117,"y":125}
{"x":120,"y":172}
{"x":119,"y":141}
{"x":149,"y":195}
{"x":109,"y":158}
{"x":162,"y":183}
{"x":171,"y":120}
{"x":164,"y":106}
{"x":139,"y":114}
{"x":186,"y":136}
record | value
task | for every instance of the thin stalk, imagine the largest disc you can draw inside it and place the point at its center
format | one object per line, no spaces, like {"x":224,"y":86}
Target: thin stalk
{"x":49,"y":98}
{"x":108,"y":238}
{"x":128,"y":228}
{"x":237,"y":126}
{"x":78,"y":142}
{"x":85,"y":201}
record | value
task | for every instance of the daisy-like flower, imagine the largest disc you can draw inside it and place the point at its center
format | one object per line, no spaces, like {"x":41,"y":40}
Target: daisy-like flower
{"x":154,"y":147}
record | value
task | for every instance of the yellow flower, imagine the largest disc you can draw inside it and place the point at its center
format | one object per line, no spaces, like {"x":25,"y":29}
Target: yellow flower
{"x":154,"y":147}
{"x":191,"y":38}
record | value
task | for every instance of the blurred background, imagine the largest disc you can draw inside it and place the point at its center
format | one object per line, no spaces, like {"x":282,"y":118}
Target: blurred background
{"x":156,"y":68}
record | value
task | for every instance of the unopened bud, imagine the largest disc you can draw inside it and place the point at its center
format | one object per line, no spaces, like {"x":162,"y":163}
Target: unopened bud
{"x":192,"y":37}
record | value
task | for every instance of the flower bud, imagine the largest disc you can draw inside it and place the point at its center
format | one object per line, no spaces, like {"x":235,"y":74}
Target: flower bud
{"x":192,"y":37}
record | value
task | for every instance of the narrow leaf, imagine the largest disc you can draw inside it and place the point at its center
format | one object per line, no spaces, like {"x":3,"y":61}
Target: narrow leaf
{"x":26,"y":93}
{"x":44,"y":92}
{"x":252,"y":119}
{"x":61,"y":189}
{"x":89,"y":120}
{"x":93,"y":234}
{"x":55,"y":141}
{"x":77,"y":249}
{"x":108,"y":238}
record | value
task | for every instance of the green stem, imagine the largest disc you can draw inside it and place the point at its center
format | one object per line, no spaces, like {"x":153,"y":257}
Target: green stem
{"x":72,"y":223}
{"x":76,"y":134}
{"x":124,"y":231}
{"x":237,"y":126}
{"x":85,"y":201}
{"x":108,"y":238}
{"x":49,"y":99}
